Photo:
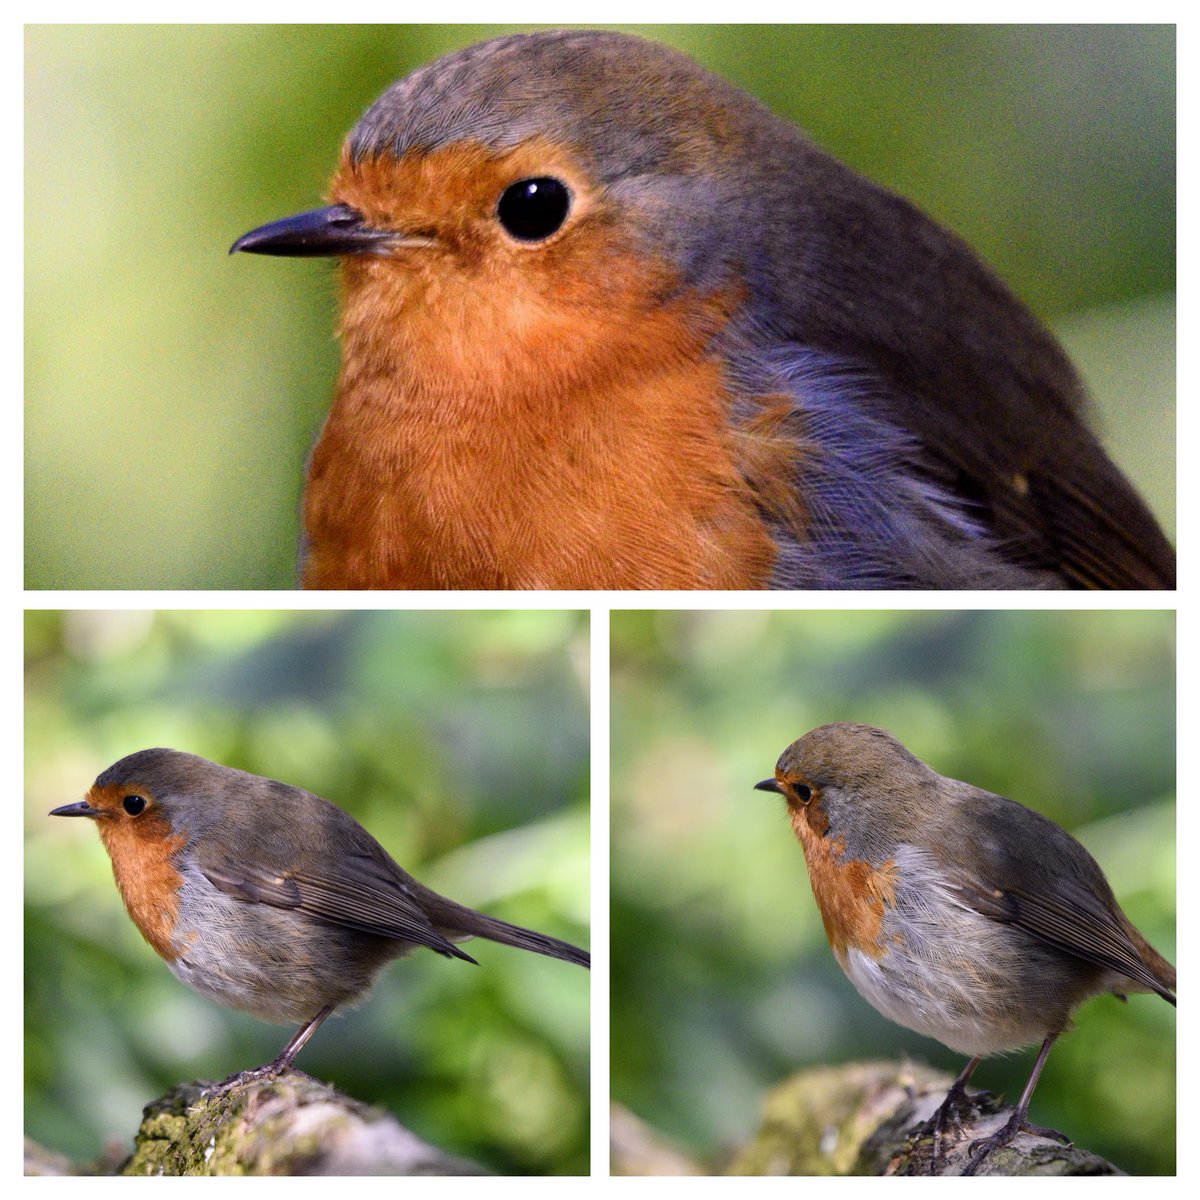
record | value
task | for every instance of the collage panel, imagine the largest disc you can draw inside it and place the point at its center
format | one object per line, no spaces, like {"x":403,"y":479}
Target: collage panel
{"x":614,"y":309}
{"x":738,"y":1045}
{"x":459,"y":740}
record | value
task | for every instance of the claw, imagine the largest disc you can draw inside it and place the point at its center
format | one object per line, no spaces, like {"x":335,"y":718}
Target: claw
{"x":978,"y":1151}
{"x":948,"y":1115}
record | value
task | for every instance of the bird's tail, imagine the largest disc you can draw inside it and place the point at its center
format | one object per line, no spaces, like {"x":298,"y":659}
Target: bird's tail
{"x":1163,"y":972}
{"x":1159,"y":974}
{"x":457,"y":921}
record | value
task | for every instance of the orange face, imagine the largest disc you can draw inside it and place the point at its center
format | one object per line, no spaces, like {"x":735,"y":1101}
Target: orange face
{"x":526,"y":412}
{"x":469,"y":309}
{"x":139,"y":840}
{"x":851,"y":894}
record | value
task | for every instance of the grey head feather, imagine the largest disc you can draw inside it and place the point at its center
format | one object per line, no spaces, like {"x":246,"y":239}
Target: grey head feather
{"x":618,"y":97}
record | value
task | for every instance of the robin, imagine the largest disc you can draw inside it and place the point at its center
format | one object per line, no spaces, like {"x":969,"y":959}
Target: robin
{"x":266,"y":898}
{"x":607,"y":322}
{"x":955,"y":912}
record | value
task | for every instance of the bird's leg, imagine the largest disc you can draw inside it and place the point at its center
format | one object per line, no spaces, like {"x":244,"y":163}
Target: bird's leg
{"x":294,"y":1046}
{"x":979,"y":1150}
{"x":286,"y":1055}
{"x":948,"y":1111}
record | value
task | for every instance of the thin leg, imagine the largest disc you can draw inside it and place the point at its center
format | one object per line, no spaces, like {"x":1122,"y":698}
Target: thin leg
{"x":297,"y":1043}
{"x":978,"y":1151}
{"x":286,"y":1056}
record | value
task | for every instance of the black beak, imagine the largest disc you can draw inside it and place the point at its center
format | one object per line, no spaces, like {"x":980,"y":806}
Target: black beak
{"x":322,"y":233}
{"x":81,"y":808}
{"x":769,"y":785}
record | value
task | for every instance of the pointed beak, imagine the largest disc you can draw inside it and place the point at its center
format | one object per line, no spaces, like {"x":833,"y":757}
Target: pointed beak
{"x":769,"y":785}
{"x":81,"y":808}
{"x":322,"y":233}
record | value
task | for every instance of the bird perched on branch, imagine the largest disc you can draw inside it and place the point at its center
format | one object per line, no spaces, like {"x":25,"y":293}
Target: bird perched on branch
{"x":266,"y":898}
{"x":956,"y":912}
{"x":607,"y":322}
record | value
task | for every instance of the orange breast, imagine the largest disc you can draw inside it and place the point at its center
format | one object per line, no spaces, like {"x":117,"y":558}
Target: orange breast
{"x":141,"y":852}
{"x":543,"y":418}
{"x":852,"y":895}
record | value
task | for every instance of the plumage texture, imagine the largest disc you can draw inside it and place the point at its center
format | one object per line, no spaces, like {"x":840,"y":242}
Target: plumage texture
{"x":267,"y":898}
{"x":738,"y":363}
{"x":955,"y":912}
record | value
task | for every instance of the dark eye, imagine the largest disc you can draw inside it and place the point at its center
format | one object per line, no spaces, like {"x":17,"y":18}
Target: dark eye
{"x":133,"y":804}
{"x":534,"y":208}
{"x":803,"y":792}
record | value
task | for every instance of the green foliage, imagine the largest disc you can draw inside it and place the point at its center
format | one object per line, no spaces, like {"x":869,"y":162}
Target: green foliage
{"x":172,"y":392}
{"x":723,"y":982}
{"x":460,"y":740}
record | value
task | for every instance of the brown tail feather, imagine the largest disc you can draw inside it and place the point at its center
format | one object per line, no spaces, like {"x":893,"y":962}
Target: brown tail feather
{"x":454,"y":920}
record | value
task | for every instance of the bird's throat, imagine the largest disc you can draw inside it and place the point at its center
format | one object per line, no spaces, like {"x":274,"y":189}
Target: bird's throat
{"x":427,"y":476}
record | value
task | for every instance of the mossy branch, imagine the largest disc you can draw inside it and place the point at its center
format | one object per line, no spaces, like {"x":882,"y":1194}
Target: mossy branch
{"x":289,"y":1125}
{"x":863,"y":1119}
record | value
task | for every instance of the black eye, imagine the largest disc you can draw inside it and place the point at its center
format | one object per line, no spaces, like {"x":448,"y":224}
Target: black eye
{"x":803,"y":792}
{"x":133,"y":805}
{"x":534,"y":208}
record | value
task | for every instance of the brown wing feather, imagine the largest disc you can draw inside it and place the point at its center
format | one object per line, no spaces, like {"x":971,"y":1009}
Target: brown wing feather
{"x":360,"y":893}
{"x":1070,"y":917}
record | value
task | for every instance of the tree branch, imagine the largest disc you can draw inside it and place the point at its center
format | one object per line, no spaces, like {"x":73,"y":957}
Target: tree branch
{"x":870,"y":1119}
{"x":289,"y":1125}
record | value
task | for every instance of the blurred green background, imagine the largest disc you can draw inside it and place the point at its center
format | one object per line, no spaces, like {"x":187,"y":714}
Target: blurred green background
{"x":723,"y":983}
{"x":172,"y":393}
{"x":460,"y":740}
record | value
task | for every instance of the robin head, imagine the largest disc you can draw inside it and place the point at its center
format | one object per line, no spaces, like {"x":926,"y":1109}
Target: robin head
{"x":158,"y":797}
{"x":576,"y":263}
{"x":152,"y":809}
{"x":858,"y":785}
{"x":545,"y":208}
{"x":571,"y":183}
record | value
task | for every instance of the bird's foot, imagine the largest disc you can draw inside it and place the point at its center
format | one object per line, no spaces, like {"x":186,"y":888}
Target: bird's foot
{"x":947,"y":1120}
{"x":978,"y":1151}
{"x":254,"y":1075}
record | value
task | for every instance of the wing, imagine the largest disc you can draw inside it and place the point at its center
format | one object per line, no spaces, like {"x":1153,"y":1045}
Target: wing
{"x":1047,"y":884}
{"x":1067,"y":916}
{"x":864,"y":489}
{"x":1056,"y":501}
{"x":360,"y":892}
{"x":885,"y":319}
